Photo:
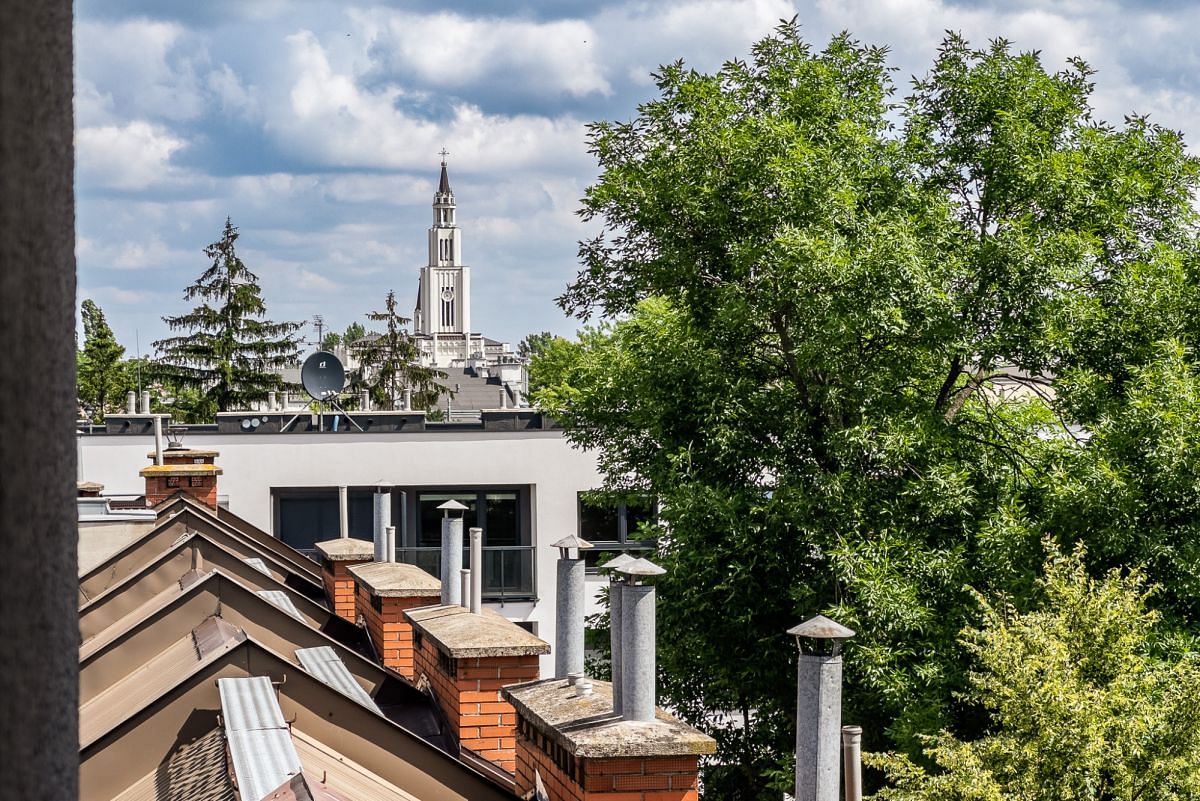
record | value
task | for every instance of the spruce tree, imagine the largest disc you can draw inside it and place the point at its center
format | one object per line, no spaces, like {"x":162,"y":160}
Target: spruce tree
{"x":100,"y":373}
{"x":229,"y":352}
{"x":391,"y":362}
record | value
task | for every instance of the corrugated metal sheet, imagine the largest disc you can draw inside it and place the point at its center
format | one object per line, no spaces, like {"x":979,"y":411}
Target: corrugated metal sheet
{"x":325,"y":664}
{"x":280,"y":599}
{"x":258,"y":564}
{"x":259,"y":741}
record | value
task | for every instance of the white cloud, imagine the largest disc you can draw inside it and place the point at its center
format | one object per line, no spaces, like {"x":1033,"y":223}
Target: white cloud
{"x":132,"y":156}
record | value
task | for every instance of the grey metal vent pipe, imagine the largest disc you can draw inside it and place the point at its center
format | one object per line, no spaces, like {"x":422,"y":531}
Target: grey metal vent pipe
{"x":637,"y":641}
{"x":819,"y":708}
{"x":476,"y":569}
{"x":389,"y":544}
{"x":343,"y":512}
{"x":568,"y":618}
{"x":131,"y":402}
{"x":383,"y":519}
{"x":614,"y":623}
{"x":452,"y":536}
{"x":852,"y":762}
{"x":464,"y":587}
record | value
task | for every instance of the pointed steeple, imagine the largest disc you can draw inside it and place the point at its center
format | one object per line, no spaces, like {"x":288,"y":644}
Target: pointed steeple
{"x":444,"y":185}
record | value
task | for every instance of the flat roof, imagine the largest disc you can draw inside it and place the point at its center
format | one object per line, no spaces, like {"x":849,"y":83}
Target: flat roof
{"x":396,"y":580}
{"x":345,"y":549}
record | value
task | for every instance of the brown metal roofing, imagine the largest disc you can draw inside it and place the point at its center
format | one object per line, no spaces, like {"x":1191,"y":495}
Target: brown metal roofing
{"x":197,"y":772}
{"x":342,"y":774}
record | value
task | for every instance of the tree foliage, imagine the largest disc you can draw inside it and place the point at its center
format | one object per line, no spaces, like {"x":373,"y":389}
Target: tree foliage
{"x":391,"y":362}
{"x":865,"y":366}
{"x":1085,"y":704}
{"x":101,"y":376}
{"x":229,"y":353}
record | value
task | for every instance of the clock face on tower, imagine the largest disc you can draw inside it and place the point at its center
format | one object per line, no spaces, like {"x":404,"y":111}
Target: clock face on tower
{"x":448,"y":293}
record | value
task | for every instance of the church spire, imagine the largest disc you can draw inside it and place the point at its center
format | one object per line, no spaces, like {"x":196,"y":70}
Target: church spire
{"x":444,"y":186}
{"x":443,"y":199}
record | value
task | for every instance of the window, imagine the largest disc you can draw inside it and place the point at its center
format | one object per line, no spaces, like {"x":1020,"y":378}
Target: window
{"x":306,"y":516}
{"x":615,"y":524}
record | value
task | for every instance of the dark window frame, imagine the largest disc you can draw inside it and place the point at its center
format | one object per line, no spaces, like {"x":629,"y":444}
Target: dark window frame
{"x":622,"y":542}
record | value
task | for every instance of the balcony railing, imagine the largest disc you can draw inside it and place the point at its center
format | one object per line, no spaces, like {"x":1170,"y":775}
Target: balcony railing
{"x":507,"y":569}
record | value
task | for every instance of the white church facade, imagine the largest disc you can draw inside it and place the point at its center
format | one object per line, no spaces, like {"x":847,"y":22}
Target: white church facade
{"x":442,"y":316}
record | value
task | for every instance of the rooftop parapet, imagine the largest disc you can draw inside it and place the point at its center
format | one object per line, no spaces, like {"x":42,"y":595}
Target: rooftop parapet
{"x":461,"y":634}
{"x":395,"y":579}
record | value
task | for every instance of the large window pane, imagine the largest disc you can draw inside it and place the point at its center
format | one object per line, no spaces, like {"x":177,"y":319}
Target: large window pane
{"x":430,"y":516}
{"x":307,"y":520}
{"x":500,"y":522}
{"x":598,"y":521}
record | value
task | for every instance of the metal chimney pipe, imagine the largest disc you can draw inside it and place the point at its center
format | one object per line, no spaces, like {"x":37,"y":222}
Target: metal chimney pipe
{"x":568,"y":618}
{"x":451,"y":553}
{"x":145,"y":401}
{"x":464,"y":587}
{"x":131,"y":402}
{"x":637,"y":641}
{"x":343,"y":512}
{"x":158,"y":443}
{"x":390,"y":544}
{"x":383,"y":519}
{"x":408,"y":399}
{"x":614,"y":624}
{"x":818,"y":708}
{"x":852,"y":762}
{"x":364,"y":401}
{"x":476,"y":569}
{"x":271,"y":400}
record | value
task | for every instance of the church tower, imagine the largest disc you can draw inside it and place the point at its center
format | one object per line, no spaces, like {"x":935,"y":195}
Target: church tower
{"x":443,"y":310}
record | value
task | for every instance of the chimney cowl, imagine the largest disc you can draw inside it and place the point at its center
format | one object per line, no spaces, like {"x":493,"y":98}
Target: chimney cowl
{"x":640,"y":568}
{"x":616,"y":563}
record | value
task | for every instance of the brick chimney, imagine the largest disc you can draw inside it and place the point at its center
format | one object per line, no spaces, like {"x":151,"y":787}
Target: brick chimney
{"x":337,"y":557}
{"x":383,"y":591}
{"x":466,"y":658}
{"x":193,"y":472}
{"x":569,"y":737}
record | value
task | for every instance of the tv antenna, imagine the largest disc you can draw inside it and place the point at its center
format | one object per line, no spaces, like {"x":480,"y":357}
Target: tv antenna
{"x":324,"y":377}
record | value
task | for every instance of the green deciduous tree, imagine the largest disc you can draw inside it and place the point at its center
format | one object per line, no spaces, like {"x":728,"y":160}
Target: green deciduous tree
{"x":859,"y":364}
{"x":1086,"y":703}
{"x":230,"y":352}
{"x":101,"y":375}
{"x":391,"y":363}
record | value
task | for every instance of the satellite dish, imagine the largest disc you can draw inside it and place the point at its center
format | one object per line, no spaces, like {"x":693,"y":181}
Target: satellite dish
{"x":323,"y":376}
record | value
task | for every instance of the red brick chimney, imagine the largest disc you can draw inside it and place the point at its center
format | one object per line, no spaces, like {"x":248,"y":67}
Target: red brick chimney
{"x":193,"y":472}
{"x":383,"y":591}
{"x":337,"y":557}
{"x":583,"y":752}
{"x":466,"y":658}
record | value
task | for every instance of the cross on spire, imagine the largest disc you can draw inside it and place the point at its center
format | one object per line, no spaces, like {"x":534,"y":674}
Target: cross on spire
{"x":444,"y":152}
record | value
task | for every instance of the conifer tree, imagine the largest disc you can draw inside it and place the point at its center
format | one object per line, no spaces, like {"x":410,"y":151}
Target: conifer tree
{"x":391,"y":362}
{"x":229,"y":352}
{"x":99,"y":369}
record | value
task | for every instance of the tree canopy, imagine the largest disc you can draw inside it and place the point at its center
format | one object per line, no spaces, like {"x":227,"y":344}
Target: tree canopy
{"x":229,"y":353}
{"x":101,"y":375}
{"x":391,"y":362}
{"x":865,"y":364}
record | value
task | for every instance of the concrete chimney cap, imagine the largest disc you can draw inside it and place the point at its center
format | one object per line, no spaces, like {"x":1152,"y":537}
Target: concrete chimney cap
{"x":572,"y":541}
{"x":641,"y":567}
{"x":821,"y":628}
{"x":453,"y":506}
{"x":617,"y":562}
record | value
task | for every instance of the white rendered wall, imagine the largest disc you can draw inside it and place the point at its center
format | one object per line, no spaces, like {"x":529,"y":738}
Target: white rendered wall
{"x":254,"y":463}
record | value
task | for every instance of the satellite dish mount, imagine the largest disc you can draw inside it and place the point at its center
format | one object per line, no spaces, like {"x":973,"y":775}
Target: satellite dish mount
{"x":324,"y":377}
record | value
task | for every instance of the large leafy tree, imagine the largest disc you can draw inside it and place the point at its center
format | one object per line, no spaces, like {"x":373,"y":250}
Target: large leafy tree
{"x":229,"y":353}
{"x":391,"y":362}
{"x":101,"y":375}
{"x":856,"y":362}
{"x":1086,"y":704}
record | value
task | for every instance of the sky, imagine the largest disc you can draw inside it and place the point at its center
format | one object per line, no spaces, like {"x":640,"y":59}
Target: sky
{"x":316,"y":126}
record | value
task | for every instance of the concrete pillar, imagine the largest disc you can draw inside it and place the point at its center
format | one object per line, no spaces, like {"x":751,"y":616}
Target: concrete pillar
{"x":476,"y":569}
{"x":818,"y":727}
{"x":451,"y":560}
{"x":568,"y":619}
{"x":637,"y":652}
{"x":344,"y":512}
{"x":383,"y":519}
{"x":39,"y":741}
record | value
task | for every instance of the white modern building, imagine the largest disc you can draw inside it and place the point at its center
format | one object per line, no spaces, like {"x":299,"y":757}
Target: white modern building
{"x":518,"y":477}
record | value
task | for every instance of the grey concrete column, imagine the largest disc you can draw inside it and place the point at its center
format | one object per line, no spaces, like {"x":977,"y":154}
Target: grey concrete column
{"x":818,"y":727}
{"x":568,"y":618}
{"x":452,"y":536}
{"x":383,"y":519}
{"x":39,"y":738}
{"x":343,"y":512}
{"x":614,"y":641}
{"x":476,"y":570}
{"x":637,"y":652}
